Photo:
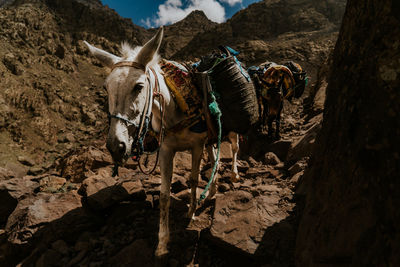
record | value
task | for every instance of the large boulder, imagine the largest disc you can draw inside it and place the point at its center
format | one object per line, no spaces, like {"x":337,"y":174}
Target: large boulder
{"x":352,"y":188}
{"x":40,"y":220}
{"x":83,"y":163}
{"x":249,"y":225}
{"x":35,"y":213}
{"x":11,"y":192}
{"x":303,"y":146}
{"x":102,"y":191}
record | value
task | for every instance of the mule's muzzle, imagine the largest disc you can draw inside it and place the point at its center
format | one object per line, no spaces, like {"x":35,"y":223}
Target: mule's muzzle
{"x":117,"y":149}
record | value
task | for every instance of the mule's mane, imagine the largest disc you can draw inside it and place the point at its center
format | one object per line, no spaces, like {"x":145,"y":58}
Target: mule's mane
{"x":129,"y":54}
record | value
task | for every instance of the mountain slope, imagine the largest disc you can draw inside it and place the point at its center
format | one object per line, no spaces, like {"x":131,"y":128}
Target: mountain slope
{"x":179,"y":34}
{"x":275,"y":30}
{"x":51,"y":93}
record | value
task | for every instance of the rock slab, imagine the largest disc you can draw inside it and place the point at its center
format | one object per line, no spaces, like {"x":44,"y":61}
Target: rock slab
{"x":240,"y":220}
{"x":34,"y":213}
{"x":11,"y":191}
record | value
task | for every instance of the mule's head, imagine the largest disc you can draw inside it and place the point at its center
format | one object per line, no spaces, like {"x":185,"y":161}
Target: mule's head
{"x":128,"y":89}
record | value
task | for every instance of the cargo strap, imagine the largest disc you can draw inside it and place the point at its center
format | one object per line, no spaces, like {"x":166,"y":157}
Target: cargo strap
{"x":246,"y":75}
{"x":186,"y":123}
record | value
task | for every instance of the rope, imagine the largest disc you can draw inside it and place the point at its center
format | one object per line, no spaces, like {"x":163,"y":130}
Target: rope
{"x":216,"y":62}
{"x":241,"y":69}
{"x":154,"y":167}
{"x":214,"y":109}
{"x":161,"y":134}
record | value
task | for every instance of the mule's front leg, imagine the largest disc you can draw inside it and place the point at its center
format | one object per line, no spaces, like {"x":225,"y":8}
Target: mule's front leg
{"x":271,"y":119}
{"x":197,"y":153}
{"x":278,"y":126}
{"x":265,"y":114}
{"x":234,"y":139}
{"x":166,"y":166}
{"x":278,"y":122}
{"x":260,"y":125}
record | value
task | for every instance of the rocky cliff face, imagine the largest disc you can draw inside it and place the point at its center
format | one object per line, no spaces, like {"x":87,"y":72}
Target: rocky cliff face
{"x":267,"y":19}
{"x":50,"y":87}
{"x":351,"y":212}
{"x":179,"y":34}
{"x":299,"y":30}
{"x":89,"y":16}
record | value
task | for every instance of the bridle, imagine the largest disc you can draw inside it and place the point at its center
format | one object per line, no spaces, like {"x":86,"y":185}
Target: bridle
{"x":137,"y":148}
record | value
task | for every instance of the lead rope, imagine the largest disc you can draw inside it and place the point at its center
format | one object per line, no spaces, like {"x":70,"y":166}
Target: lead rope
{"x":214,"y":109}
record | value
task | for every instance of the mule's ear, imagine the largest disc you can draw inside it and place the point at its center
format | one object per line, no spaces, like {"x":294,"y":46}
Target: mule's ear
{"x":106,"y":58}
{"x":148,"y":51}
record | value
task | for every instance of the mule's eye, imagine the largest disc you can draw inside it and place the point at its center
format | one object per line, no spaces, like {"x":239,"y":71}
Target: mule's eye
{"x":138,"y":87}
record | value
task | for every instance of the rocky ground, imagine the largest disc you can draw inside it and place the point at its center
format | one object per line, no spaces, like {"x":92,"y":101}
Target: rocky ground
{"x":77,"y":214}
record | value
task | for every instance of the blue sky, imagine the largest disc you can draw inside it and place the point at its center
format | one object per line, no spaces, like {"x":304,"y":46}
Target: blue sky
{"x":153,"y":13}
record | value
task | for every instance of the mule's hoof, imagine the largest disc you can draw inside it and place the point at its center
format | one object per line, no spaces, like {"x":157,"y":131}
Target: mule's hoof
{"x":211,"y":192}
{"x":235,"y":178}
{"x":190,"y":214}
{"x":161,"y":252}
{"x":161,"y":260}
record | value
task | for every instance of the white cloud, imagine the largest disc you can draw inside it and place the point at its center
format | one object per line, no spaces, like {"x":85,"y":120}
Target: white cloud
{"x":174,"y":2}
{"x":147,"y":22}
{"x":173,"y":10}
{"x":232,"y":2}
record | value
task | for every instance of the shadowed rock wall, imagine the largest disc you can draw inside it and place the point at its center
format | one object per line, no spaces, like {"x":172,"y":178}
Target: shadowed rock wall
{"x":351,"y":213}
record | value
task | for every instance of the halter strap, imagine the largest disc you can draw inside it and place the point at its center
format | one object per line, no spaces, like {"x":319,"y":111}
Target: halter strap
{"x":142,"y":127}
{"x":156,"y":90}
{"x":129,"y":122}
{"x":145,"y":112}
{"x":131,"y":64}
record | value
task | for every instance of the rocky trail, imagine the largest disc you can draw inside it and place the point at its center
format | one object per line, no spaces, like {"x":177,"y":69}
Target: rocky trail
{"x":77,"y":214}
